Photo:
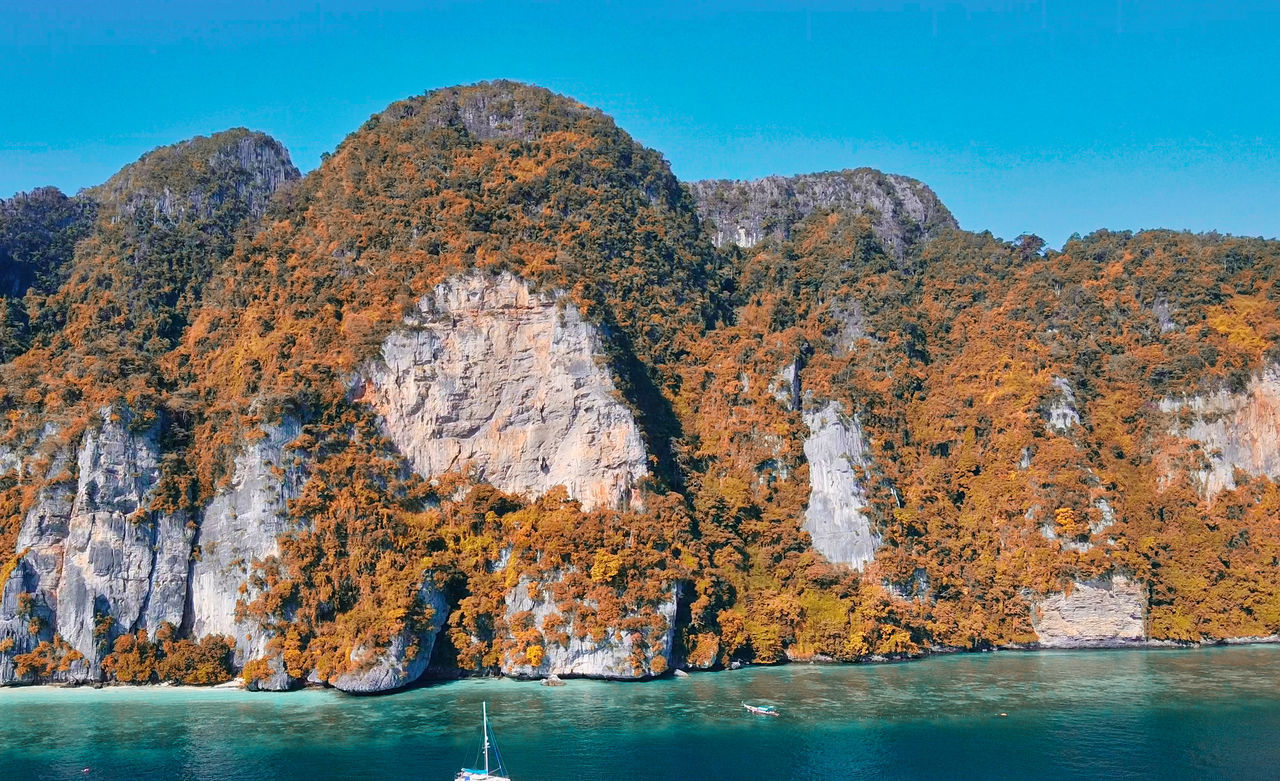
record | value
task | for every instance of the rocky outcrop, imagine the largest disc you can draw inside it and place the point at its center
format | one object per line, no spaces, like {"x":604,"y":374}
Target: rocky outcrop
{"x":611,"y":656}
{"x":903,"y":211}
{"x":95,"y":559}
{"x":34,"y":571}
{"x":124,"y":567}
{"x":1234,"y":431}
{"x":509,"y":384}
{"x":1062,"y":413}
{"x":241,"y":526}
{"x":1095,"y":614}
{"x":195,"y":179}
{"x":16,"y":636}
{"x":404,"y":661}
{"x":839,"y":464}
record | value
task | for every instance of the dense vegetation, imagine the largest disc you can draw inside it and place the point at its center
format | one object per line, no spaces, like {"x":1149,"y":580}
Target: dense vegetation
{"x":38,"y":234}
{"x":949,"y":358}
{"x":216,"y":313}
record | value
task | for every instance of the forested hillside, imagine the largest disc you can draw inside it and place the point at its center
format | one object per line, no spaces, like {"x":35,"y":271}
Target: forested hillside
{"x":490,"y":390}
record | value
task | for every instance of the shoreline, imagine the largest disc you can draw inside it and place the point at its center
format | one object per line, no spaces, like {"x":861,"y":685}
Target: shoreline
{"x":427,"y":681}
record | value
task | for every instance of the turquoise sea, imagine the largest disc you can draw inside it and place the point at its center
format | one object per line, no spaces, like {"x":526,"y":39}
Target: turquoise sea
{"x":1208,"y":713}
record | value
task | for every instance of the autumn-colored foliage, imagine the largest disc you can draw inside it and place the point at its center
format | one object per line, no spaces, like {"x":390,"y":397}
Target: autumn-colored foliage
{"x":953,"y":357}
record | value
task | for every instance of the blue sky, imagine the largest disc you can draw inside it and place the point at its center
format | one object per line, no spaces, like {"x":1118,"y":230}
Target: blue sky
{"x":1050,"y":117}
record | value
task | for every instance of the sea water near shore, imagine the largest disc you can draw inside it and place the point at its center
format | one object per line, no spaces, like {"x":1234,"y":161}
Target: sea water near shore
{"x":1203,"y":713}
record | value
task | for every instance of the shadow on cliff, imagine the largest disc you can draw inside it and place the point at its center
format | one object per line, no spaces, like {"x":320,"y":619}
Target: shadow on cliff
{"x":652,"y":410}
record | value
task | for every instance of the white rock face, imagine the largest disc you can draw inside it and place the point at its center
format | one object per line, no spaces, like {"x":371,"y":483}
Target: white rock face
{"x":119,"y":559}
{"x":1235,"y":431}
{"x":393,"y":668}
{"x":1062,"y":415}
{"x":608,"y":658}
{"x":492,"y":377}
{"x":39,"y":567}
{"x":838,"y":470}
{"x":240,"y":526}
{"x":1097,"y":613}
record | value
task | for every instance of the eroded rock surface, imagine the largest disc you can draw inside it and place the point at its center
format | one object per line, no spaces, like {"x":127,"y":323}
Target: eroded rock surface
{"x":124,"y":567}
{"x":511,"y":384}
{"x":235,"y":169}
{"x":903,"y":211}
{"x":241,"y":526}
{"x":1063,"y":413}
{"x":1234,"y":430}
{"x":96,"y":560}
{"x":839,"y":464}
{"x":1097,"y":613}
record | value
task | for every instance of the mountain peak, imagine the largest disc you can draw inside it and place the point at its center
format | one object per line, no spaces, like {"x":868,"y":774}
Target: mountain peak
{"x":493,"y":110}
{"x":903,"y":211}
{"x":197,"y":177}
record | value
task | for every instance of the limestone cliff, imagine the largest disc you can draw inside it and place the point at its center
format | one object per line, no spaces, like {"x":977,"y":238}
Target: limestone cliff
{"x":616,"y":654}
{"x":511,"y":385}
{"x":241,"y":526}
{"x":903,"y":211}
{"x":568,"y":321}
{"x":1062,"y":413}
{"x":234,"y":172}
{"x":839,"y":463}
{"x":1233,"y":430}
{"x":404,"y":661}
{"x":97,"y":562}
{"x":1099,"y":613}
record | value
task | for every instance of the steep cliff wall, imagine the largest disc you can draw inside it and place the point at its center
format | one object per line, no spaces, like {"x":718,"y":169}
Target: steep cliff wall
{"x":240,"y":527}
{"x":1098,"y":613}
{"x":124,"y":567}
{"x":494,"y":378}
{"x":903,"y":211}
{"x":838,"y":469}
{"x":1234,"y":430}
{"x":95,"y":560}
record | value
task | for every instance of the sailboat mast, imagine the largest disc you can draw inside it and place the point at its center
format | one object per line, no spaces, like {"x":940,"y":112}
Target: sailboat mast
{"x":485,"y":709}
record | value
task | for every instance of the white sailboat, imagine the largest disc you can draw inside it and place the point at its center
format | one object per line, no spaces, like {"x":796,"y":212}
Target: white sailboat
{"x":492,"y":771}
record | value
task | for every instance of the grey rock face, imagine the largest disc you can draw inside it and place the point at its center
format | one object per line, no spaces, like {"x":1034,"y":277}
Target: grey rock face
{"x":1062,"y":414}
{"x":839,"y":464}
{"x":493,"y":378}
{"x":278,"y":681}
{"x":1164,"y":315}
{"x":609,"y":657}
{"x":15,"y":628}
{"x":44,"y":530}
{"x":903,"y":211}
{"x":119,"y":559}
{"x":97,"y":561}
{"x":501,"y":110}
{"x":1234,"y":430}
{"x":404,"y":661}
{"x":240,"y":526}
{"x":1097,"y":613}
